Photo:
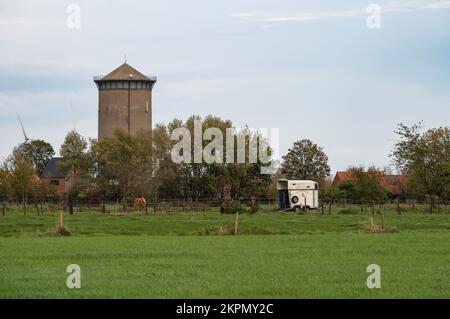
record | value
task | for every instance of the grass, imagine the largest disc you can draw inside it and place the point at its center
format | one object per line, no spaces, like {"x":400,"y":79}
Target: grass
{"x":279,"y":255}
{"x":315,"y":266}
{"x":192,"y":223}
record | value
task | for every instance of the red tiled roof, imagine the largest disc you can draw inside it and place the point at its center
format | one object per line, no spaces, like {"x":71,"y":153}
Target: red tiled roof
{"x":395,"y":184}
{"x":341,"y":177}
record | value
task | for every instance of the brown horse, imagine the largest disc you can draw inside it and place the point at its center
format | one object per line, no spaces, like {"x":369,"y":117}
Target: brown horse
{"x":140,"y":203}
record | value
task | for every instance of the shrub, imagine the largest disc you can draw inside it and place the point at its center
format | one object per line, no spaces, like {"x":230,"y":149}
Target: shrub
{"x":233,"y":207}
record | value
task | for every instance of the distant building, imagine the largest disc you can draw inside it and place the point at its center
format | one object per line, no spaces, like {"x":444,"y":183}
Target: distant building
{"x":124,"y":101}
{"x":394,"y":184}
{"x":52,"y":175}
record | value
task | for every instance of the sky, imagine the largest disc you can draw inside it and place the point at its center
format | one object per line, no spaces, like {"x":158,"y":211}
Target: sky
{"x":313,"y":69}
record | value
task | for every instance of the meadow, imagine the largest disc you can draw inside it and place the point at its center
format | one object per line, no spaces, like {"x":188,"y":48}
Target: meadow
{"x":183,"y":255}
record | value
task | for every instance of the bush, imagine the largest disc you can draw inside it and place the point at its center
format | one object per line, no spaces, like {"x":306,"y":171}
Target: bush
{"x":233,"y":207}
{"x":347,"y":211}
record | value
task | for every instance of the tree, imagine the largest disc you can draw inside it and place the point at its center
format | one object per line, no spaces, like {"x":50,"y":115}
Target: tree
{"x":38,"y":152}
{"x":5,"y":180}
{"x":221,"y":179}
{"x":23,"y":177}
{"x":76,"y":164}
{"x":306,"y":160}
{"x":425,"y":158}
{"x":165,"y":172}
{"x":364,"y":184}
{"x":124,"y":164}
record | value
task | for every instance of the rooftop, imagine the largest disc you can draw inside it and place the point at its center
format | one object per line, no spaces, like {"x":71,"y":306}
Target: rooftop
{"x":51,"y":171}
{"x":125,"y":72}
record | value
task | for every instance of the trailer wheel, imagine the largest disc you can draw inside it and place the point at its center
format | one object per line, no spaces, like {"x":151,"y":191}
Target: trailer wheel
{"x":294,"y":199}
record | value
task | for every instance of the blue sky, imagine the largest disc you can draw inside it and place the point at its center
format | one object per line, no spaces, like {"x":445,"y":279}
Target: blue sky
{"x":311,"y":68}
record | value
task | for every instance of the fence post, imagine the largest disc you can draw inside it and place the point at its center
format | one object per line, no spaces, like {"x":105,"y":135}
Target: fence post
{"x":323,"y":212}
{"x":3,"y":208}
{"x":398,"y":206}
{"x":329,"y":207}
{"x":373,"y":209}
{"x":236,"y":223}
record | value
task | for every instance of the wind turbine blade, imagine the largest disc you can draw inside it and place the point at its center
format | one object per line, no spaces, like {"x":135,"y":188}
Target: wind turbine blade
{"x":23,"y":129}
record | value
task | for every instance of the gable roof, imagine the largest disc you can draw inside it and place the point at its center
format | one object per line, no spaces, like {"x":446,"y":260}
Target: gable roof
{"x":126,"y":72}
{"x":51,"y":171}
{"x":341,"y":176}
{"x":395,"y":184}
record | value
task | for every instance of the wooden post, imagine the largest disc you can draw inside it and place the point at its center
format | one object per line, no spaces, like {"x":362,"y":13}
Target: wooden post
{"x":42,"y":209}
{"x":146,"y":208}
{"x":323,"y":212}
{"x":3,"y":208}
{"x":398,"y":206}
{"x":236,"y":223}
{"x":37,"y":208}
{"x":329,"y":208}
{"x":373,"y":209}
{"x":103,"y":206}
{"x":61,"y":219}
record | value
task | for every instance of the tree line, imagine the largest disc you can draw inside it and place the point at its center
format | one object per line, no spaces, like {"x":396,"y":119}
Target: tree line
{"x":129,"y":166}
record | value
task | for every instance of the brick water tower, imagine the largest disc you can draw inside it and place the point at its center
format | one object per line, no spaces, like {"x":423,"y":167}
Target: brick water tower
{"x":124,"y":101}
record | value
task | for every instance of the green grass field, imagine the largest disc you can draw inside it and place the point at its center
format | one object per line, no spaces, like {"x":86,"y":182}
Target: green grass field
{"x":275,"y":255}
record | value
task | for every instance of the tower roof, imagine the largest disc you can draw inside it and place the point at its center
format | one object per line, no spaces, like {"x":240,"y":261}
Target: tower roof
{"x":126,"y":72}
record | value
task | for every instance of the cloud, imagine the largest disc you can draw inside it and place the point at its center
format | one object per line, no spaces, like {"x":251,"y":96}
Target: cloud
{"x":439,"y":5}
{"x":400,"y":6}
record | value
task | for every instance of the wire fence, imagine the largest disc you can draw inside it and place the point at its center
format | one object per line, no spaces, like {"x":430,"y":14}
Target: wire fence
{"x":41,"y":206}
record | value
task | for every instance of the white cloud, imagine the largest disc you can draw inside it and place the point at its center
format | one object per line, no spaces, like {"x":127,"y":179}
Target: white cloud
{"x":439,"y":5}
{"x":398,"y":6}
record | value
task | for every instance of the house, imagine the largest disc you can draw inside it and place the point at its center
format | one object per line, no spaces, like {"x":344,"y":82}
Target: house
{"x":52,"y":175}
{"x":394,"y":184}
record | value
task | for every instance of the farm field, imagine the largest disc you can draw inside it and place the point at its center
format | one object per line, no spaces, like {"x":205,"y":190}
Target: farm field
{"x":275,"y":255}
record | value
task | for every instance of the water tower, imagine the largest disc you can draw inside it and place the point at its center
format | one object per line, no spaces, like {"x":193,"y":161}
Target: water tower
{"x":124,"y":101}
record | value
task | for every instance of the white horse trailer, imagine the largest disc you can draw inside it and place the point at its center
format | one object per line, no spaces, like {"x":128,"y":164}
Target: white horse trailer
{"x":298,"y":195}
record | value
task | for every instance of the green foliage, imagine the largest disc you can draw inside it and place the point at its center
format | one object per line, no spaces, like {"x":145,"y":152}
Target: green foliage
{"x":5,"y":180}
{"x":124,"y":164}
{"x":305,"y":160}
{"x":75,"y":155}
{"x":425,"y":158}
{"x":22,"y":176}
{"x":207,"y":180}
{"x":364,"y":184}
{"x":328,"y":192}
{"x":233,"y":207}
{"x":38,"y":152}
